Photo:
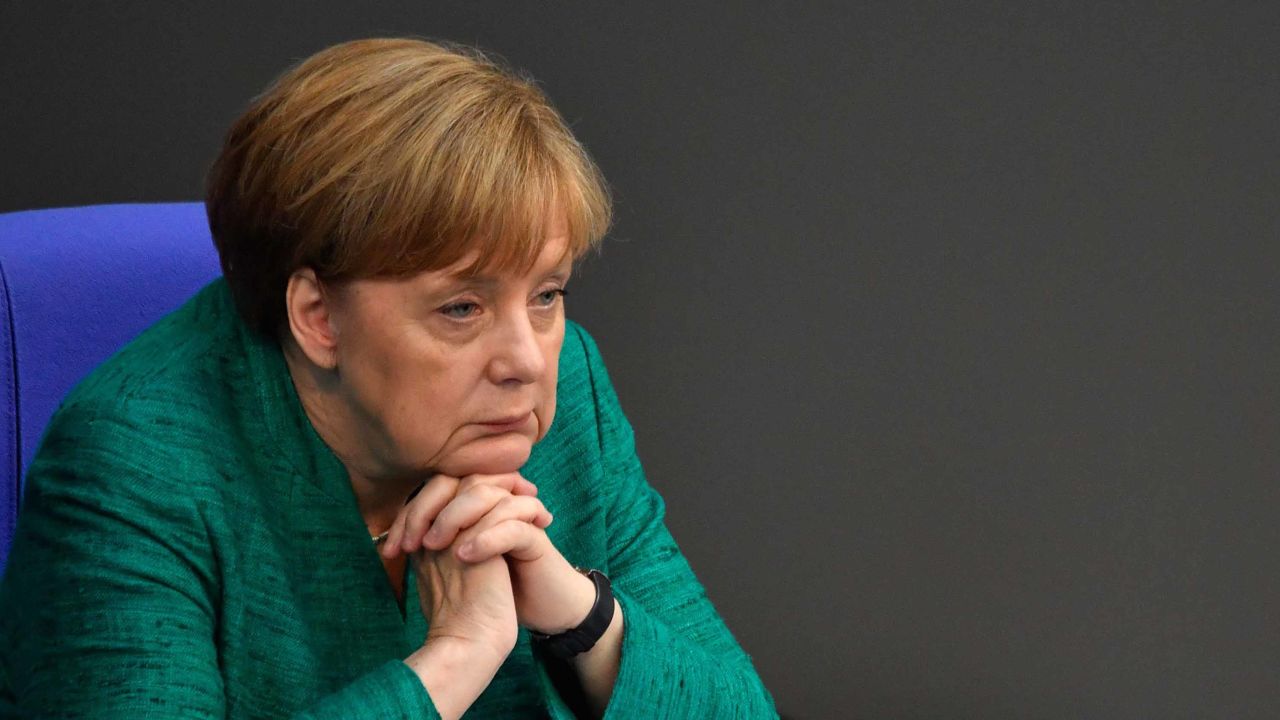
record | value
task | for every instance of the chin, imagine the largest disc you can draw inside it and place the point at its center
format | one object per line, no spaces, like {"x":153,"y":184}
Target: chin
{"x":488,"y":456}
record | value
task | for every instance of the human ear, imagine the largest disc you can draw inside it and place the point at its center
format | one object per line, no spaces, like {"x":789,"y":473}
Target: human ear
{"x":311,"y":320}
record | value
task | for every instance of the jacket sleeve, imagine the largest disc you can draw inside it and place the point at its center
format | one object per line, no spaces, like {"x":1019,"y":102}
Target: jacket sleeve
{"x":109,"y":604}
{"x":678,"y":657}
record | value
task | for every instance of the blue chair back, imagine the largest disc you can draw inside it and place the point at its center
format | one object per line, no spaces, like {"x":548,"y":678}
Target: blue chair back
{"x":76,"y":284}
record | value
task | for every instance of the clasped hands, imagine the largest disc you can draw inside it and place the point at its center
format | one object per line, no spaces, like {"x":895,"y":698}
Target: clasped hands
{"x":484,"y":564}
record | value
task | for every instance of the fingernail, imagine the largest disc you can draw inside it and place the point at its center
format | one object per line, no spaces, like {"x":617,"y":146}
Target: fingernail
{"x":467,"y":550}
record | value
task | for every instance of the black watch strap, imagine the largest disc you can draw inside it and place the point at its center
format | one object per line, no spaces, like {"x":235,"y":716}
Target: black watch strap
{"x":580,"y":639}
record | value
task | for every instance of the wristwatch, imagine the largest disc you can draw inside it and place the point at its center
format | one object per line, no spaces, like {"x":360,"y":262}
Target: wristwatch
{"x":580,"y":639}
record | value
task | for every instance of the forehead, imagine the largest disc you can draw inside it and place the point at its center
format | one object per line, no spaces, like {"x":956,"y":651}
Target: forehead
{"x":554,"y":254}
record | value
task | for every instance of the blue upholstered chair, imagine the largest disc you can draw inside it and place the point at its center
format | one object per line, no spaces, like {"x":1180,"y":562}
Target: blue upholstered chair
{"x":76,"y":284}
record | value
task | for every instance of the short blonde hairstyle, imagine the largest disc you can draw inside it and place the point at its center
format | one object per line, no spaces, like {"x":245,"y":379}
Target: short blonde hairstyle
{"x":389,"y":157}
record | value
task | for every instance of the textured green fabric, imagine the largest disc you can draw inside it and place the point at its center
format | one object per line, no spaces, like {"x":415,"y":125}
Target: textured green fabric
{"x":188,"y":547}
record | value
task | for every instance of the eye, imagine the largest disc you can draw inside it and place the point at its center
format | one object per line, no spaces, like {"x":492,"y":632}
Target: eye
{"x":459,"y":311}
{"x":548,"y":298}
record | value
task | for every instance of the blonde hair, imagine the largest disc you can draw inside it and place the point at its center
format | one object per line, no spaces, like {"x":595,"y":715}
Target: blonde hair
{"x":388,"y":157}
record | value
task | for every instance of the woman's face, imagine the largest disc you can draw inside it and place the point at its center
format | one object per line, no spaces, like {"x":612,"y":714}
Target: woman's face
{"x":443,"y":373}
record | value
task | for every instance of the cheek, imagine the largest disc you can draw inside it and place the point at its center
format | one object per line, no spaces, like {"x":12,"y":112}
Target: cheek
{"x":427,"y":394}
{"x":440,"y":393}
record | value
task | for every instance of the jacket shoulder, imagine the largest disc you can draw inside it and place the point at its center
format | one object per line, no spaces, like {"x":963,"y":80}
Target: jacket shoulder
{"x":155,"y":403}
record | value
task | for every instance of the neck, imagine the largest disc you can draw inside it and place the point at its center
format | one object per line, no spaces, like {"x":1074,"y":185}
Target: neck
{"x":380,"y":490}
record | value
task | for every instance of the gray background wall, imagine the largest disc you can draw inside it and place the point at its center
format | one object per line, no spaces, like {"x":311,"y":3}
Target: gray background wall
{"x":949,"y":332}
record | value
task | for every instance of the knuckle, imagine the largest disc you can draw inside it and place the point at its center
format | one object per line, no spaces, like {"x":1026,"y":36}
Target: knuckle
{"x":510,"y":503}
{"x":531,"y":505}
{"x":422,"y":514}
{"x":473,"y":481}
{"x":514,"y":529}
{"x":491,"y":494}
{"x":438,"y":484}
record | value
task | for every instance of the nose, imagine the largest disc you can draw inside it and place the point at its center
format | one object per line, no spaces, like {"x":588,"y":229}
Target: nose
{"x":517,"y":356}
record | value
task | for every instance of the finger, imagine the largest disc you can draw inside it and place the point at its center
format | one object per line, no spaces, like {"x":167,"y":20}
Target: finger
{"x":512,"y":507}
{"x":420,"y":511}
{"x":520,"y":509}
{"x":414,"y":519}
{"x":391,"y":545}
{"x":514,"y":538}
{"x":480,"y":508}
{"x":524,"y":487}
{"x":514,"y":483}
{"x":463,"y":511}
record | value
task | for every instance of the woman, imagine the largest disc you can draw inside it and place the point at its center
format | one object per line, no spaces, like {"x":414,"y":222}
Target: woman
{"x":330,"y":485}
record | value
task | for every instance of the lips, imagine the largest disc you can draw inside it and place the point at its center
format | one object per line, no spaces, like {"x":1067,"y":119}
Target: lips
{"x":505,"y":424}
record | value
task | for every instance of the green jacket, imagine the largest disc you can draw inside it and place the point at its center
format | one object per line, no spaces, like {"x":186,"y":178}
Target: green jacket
{"x":188,"y":547}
